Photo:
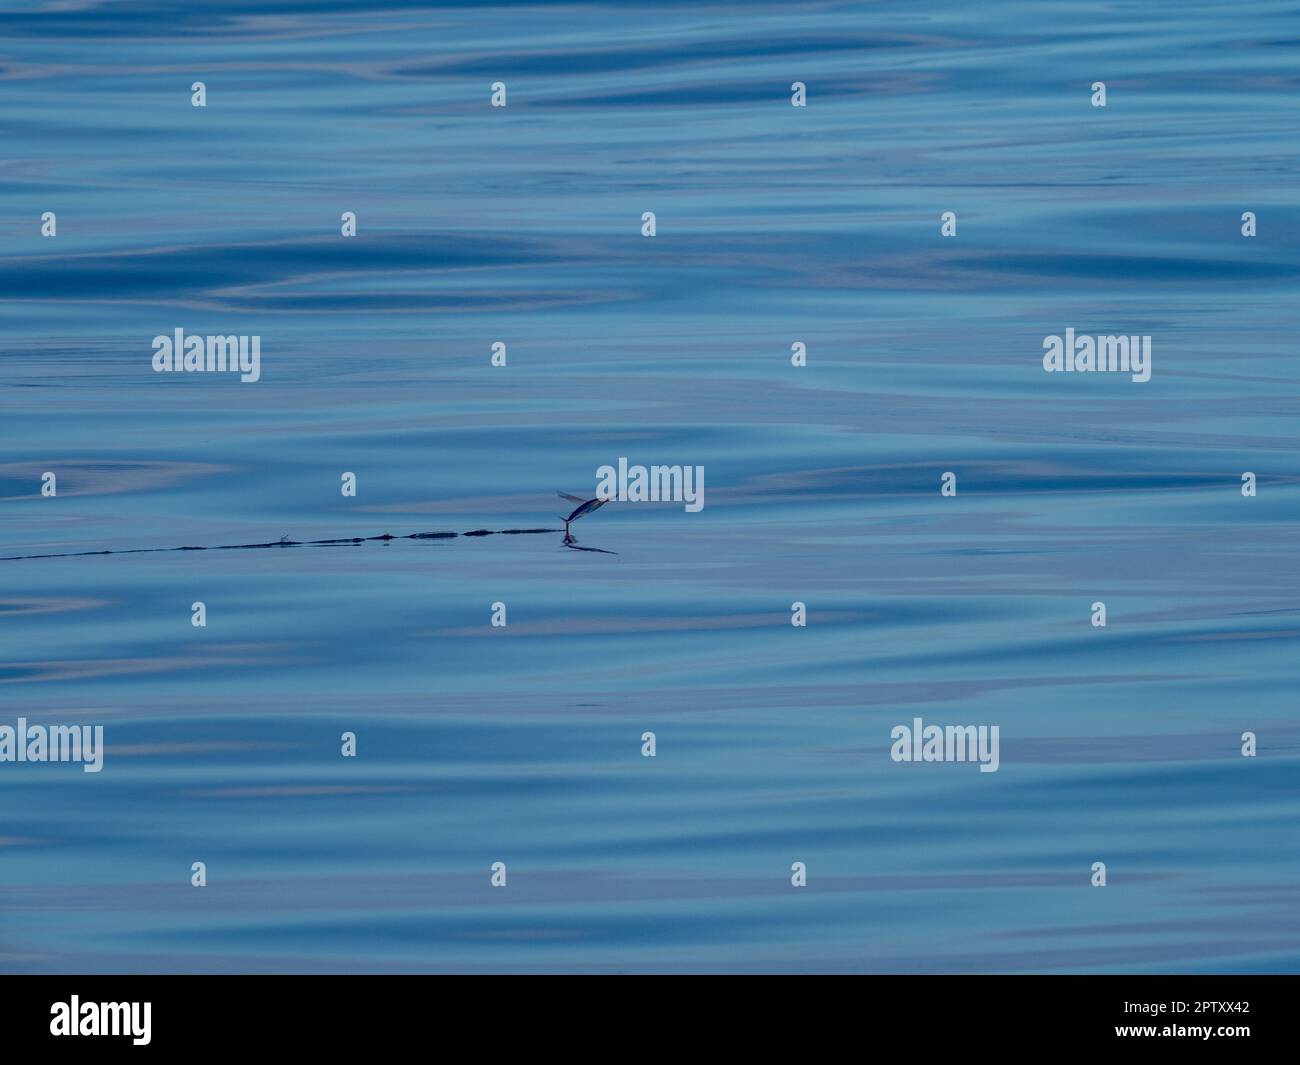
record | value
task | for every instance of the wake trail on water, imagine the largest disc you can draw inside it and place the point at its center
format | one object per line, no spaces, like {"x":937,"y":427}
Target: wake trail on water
{"x":284,"y":541}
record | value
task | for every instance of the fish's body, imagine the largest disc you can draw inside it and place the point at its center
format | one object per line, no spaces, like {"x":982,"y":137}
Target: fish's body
{"x":587,"y":506}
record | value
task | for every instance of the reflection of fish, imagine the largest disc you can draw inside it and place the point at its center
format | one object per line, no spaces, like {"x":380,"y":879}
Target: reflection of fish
{"x":573,"y":545}
{"x":588,"y":505}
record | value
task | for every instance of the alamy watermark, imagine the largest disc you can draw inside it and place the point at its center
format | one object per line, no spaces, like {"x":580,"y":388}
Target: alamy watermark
{"x":102,"y":1018}
{"x":946,"y":743}
{"x":53,"y":743}
{"x":199,"y":354}
{"x":654,"y":484}
{"x":1130,"y":354}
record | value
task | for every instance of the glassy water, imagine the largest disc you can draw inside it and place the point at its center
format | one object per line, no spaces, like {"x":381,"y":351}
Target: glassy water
{"x":522,"y":744}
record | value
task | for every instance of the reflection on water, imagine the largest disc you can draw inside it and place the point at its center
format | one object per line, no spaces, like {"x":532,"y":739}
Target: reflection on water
{"x":522,"y":743}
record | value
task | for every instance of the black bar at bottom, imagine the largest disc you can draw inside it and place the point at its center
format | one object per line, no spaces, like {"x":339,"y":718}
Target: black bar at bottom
{"x":342,"y":1015}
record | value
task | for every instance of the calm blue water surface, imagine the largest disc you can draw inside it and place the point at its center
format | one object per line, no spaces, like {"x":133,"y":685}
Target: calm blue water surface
{"x":775,"y":224}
